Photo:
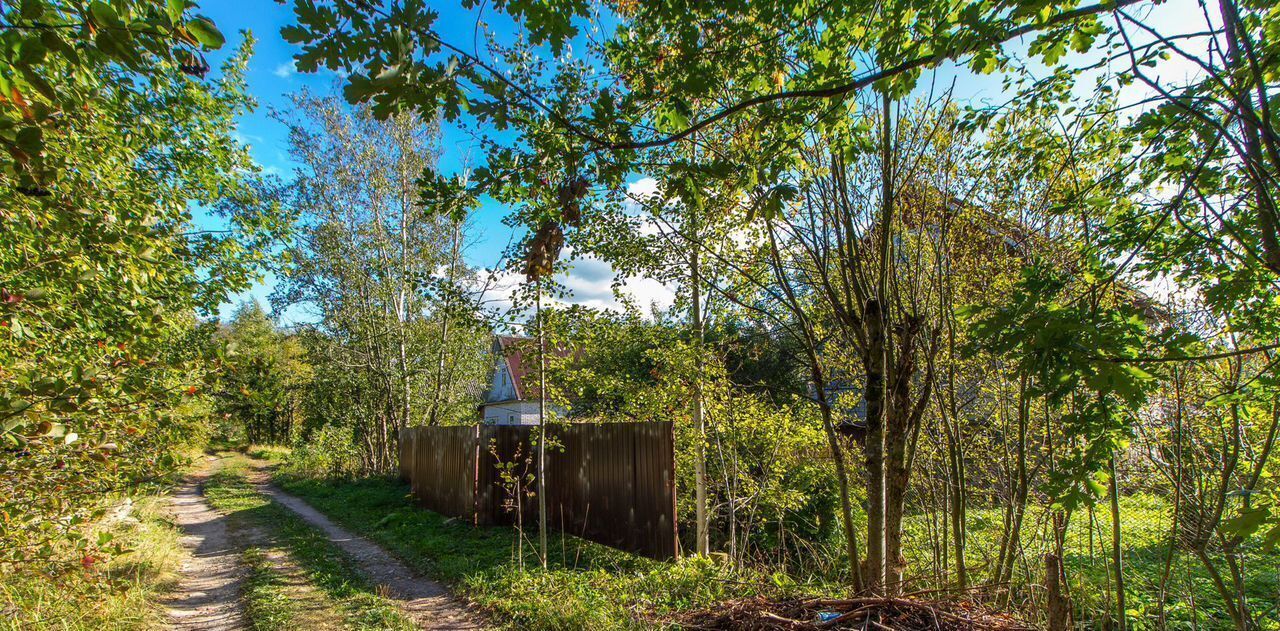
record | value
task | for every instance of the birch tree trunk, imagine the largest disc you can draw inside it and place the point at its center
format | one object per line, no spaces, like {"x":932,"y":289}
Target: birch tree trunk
{"x":542,"y":431}
{"x":700,"y":431}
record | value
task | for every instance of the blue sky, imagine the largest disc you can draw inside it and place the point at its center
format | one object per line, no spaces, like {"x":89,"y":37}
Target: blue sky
{"x":271,"y":78}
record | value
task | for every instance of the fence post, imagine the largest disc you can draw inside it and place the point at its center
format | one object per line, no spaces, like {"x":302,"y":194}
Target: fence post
{"x":475,"y":475}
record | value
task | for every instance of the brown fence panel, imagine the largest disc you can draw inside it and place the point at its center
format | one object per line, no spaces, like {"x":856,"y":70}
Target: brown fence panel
{"x":440,"y":467}
{"x":613,"y":483}
{"x":500,"y":445}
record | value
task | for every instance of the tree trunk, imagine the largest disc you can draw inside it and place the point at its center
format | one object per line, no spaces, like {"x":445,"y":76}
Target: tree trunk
{"x":1058,"y":607}
{"x":1020,"y":492}
{"x":542,"y":432}
{"x":873,"y":577}
{"x":956,"y":488}
{"x":437,"y":399}
{"x":703,"y":546}
{"x":877,"y":361}
{"x":896,"y":472}
{"x":1117,"y":558}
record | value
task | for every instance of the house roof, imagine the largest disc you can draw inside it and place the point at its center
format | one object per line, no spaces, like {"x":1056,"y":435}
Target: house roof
{"x":522,"y":360}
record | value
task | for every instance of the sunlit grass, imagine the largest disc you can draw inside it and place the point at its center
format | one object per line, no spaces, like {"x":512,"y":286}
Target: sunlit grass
{"x":1145,"y":524}
{"x":326,"y":567}
{"x":121,"y":592}
{"x":591,"y":586}
{"x":586,"y":586}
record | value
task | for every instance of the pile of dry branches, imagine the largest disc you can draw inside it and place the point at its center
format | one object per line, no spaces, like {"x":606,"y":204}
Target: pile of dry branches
{"x":872,"y":614}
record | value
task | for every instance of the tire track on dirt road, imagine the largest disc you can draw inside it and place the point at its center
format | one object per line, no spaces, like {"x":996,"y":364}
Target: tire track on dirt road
{"x":208,"y":595}
{"x":428,"y":603}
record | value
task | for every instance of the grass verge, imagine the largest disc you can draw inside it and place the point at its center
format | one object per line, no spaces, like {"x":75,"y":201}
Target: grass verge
{"x":586,"y":586}
{"x":85,"y":588}
{"x":267,"y":595}
{"x":591,"y":586}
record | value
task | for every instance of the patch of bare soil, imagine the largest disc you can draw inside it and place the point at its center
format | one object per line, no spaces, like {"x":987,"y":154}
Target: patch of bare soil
{"x":871,"y":614}
{"x":208,"y":594}
{"x":425,"y":601}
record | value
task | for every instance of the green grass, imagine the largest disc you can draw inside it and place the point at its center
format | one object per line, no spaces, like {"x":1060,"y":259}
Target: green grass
{"x":267,"y":598}
{"x":1145,"y":521}
{"x":274,"y":454}
{"x":118,"y":593}
{"x":325,"y":566}
{"x":587,"y":586}
{"x":591,"y":586}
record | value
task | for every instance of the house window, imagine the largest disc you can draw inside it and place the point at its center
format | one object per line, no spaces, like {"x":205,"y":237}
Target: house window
{"x":511,"y":419}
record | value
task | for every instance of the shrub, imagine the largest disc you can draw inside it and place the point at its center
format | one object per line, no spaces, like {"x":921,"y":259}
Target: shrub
{"x":327,"y":453}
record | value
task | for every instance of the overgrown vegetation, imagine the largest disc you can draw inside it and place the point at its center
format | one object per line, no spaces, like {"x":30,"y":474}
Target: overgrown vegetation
{"x":1021,"y":352}
{"x":114,"y":139}
{"x":585,"y":586}
{"x":81,"y":588}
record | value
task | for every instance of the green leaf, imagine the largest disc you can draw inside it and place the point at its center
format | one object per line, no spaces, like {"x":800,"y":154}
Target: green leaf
{"x":12,"y":422}
{"x":103,"y":15}
{"x":1247,"y":522}
{"x":205,"y":32}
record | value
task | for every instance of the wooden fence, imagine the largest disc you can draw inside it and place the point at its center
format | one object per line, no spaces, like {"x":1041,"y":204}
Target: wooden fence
{"x":613,"y":483}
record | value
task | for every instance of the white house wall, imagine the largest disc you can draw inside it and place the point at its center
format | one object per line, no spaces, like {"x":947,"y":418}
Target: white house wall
{"x":501,"y":388}
{"x":518,"y":413}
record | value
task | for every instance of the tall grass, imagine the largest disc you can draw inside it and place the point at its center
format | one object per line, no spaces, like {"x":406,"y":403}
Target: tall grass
{"x":74,"y":589}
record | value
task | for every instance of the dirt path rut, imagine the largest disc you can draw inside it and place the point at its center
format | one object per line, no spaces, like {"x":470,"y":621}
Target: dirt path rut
{"x":208,"y":594}
{"x":427,"y":602}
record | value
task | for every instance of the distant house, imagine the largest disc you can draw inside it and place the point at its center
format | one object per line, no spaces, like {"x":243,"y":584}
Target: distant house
{"x":512,"y":397}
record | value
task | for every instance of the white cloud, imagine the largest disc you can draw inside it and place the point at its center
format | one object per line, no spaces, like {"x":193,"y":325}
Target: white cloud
{"x":286,"y":70}
{"x":588,"y":281}
{"x":642,"y":188}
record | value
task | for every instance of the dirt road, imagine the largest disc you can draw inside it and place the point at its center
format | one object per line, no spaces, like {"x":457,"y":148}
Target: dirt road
{"x":425,"y":601}
{"x":209,"y":595}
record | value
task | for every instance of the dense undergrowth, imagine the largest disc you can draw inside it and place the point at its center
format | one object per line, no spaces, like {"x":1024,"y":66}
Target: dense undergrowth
{"x":85,"y":589}
{"x":591,"y":586}
{"x":586,"y":586}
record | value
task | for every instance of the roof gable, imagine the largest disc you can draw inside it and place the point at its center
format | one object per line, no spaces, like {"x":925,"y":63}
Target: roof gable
{"x":522,"y":362}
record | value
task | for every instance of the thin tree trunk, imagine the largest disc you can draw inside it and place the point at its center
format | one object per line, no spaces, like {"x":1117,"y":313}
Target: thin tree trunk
{"x":878,"y":361}
{"x":1014,"y":535}
{"x":873,"y":577}
{"x":955,"y":459}
{"x":1117,"y":558}
{"x":445,"y":316}
{"x":703,"y":546}
{"x":542,"y":432}
{"x":1174,"y":534}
